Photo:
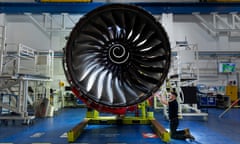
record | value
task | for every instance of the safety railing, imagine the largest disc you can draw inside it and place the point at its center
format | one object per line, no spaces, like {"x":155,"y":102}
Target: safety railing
{"x":21,"y":59}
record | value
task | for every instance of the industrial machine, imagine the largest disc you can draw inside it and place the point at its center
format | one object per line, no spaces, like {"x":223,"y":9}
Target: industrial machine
{"x":115,"y":58}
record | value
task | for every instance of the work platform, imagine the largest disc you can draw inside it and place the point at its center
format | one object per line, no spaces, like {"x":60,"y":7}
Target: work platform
{"x":25,"y":74}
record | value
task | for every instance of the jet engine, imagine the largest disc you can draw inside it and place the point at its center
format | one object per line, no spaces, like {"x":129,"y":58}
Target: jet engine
{"x":116,"y":56}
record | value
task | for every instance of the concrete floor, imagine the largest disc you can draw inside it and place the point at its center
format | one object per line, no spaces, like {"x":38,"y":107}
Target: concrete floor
{"x":215,"y":130}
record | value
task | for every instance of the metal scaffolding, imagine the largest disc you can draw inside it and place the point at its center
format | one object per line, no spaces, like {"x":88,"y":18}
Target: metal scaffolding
{"x":23,"y":71}
{"x":187,"y":76}
{"x":184,"y":73}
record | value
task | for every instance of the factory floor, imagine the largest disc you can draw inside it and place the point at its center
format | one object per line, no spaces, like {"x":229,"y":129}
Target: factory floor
{"x":53,"y":130}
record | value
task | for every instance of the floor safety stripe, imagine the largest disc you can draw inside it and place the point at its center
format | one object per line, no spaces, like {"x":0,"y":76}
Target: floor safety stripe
{"x":37,"y":135}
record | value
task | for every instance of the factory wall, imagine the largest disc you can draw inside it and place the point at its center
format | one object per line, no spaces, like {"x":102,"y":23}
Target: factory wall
{"x":194,"y":34}
{"x":31,"y":36}
{"x":185,"y":30}
{"x":27,"y":34}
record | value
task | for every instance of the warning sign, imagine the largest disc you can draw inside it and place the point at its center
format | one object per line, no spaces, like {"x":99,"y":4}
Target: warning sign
{"x":149,"y":135}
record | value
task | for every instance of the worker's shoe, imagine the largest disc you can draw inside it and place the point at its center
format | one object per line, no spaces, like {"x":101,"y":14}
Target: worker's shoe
{"x":187,"y":131}
{"x":188,"y":134}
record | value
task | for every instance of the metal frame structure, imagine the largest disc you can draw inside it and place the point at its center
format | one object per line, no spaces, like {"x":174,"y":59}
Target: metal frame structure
{"x":184,"y":72}
{"x":15,"y":103}
{"x":2,"y":43}
{"x":154,"y":8}
{"x":220,"y":23}
{"x":187,"y":75}
{"x":186,"y":64}
{"x":49,"y":23}
{"x":19,"y":67}
{"x":21,"y":59}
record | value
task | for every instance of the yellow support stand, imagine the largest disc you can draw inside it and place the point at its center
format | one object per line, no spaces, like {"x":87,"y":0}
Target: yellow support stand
{"x":161,"y":131}
{"x":92,"y":117}
{"x":75,"y":132}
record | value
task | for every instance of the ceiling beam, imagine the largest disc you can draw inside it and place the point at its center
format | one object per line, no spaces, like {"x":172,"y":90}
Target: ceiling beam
{"x":154,"y":8}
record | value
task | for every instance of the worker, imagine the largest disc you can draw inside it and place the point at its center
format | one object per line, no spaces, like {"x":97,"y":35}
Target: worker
{"x":173,"y":117}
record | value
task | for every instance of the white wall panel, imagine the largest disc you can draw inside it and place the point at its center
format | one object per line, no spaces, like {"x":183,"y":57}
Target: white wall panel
{"x":2,"y":19}
{"x":58,"y":74}
{"x":194,"y":35}
{"x":179,"y":28}
{"x":28,"y":34}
